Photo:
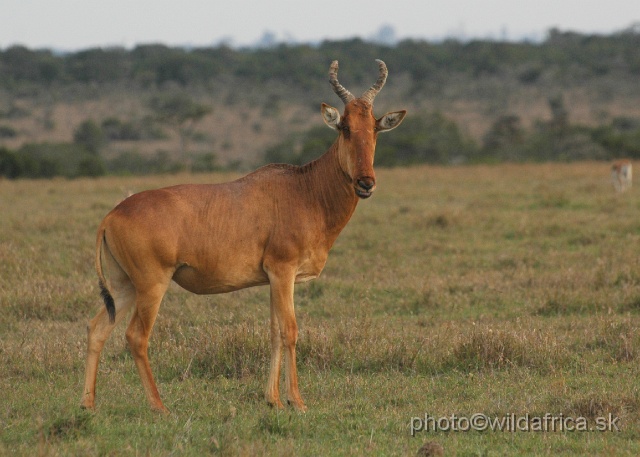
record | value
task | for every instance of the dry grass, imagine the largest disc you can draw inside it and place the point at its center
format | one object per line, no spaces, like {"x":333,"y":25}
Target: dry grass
{"x":506,"y":289}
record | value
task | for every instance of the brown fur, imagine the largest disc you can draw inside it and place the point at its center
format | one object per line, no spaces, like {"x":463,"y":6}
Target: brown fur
{"x":621,"y":175}
{"x":274,"y":226}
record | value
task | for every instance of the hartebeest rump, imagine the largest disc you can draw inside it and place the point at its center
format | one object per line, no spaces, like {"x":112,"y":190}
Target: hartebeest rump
{"x":621,"y":175}
{"x":274,"y":226}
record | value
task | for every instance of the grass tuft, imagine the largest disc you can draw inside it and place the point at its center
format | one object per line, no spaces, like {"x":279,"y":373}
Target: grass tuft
{"x":233,"y":351}
{"x":72,"y":427}
{"x":595,"y":405}
{"x":488,"y":348}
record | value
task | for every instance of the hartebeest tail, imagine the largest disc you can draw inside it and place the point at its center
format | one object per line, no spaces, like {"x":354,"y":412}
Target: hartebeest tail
{"x":108,"y":302}
{"x":274,"y":226}
{"x":104,"y":292}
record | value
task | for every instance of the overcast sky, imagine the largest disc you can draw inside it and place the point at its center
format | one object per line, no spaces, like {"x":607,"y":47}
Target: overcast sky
{"x":79,"y":24}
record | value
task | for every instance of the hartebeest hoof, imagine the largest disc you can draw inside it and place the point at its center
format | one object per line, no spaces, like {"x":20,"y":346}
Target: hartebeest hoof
{"x":164,"y":411}
{"x":275,"y":404}
{"x":298,"y":405}
{"x":88,"y":402}
{"x":88,"y":407}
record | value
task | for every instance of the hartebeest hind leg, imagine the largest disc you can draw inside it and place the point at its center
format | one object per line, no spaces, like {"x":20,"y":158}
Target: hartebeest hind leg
{"x":98,"y":332}
{"x":284,"y":335}
{"x":138,"y":333}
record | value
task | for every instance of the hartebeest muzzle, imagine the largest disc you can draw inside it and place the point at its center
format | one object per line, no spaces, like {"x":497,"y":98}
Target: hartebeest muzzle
{"x":365,"y":186}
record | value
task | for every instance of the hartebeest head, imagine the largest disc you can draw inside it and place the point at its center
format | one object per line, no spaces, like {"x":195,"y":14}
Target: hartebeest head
{"x":359,"y":129}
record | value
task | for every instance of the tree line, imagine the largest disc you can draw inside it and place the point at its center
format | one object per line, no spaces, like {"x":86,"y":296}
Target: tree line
{"x":298,"y":65}
{"x":565,"y":58}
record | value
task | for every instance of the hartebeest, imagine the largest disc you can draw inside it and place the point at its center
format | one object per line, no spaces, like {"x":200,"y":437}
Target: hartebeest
{"x":274,"y":226}
{"x":621,"y":175}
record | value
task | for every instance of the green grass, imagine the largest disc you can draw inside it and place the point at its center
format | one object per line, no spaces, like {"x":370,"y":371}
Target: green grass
{"x":511,"y":289}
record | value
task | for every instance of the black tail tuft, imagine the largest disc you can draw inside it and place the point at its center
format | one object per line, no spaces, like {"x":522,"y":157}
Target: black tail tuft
{"x":108,"y":302}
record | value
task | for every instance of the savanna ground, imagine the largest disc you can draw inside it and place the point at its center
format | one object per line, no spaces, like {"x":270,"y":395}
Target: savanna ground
{"x":510,"y":289}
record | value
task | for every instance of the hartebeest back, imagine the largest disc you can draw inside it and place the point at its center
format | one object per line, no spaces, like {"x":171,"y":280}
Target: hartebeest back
{"x":274,"y":226}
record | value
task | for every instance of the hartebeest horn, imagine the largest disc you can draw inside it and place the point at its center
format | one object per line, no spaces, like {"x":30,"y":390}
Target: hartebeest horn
{"x":382,"y":78}
{"x":343,"y":93}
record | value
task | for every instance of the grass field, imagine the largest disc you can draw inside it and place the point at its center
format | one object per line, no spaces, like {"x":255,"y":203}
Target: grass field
{"x":496,"y":290}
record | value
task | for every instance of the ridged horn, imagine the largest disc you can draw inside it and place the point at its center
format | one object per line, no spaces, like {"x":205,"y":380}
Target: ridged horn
{"x":340,"y":91}
{"x":382,"y":78}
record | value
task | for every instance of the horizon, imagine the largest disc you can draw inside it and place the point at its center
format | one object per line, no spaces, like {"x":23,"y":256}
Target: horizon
{"x":385,"y":36}
{"x":69,"y":25}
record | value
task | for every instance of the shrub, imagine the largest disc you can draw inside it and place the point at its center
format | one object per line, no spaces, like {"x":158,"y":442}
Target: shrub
{"x":504,"y":139}
{"x":430,"y":138}
{"x":115,"y":129}
{"x":90,"y":136}
{"x":46,"y":160}
{"x":7,"y":132}
{"x":137,"y":164}
{"x":203,"y":163}
{"x":10,"y":166}
{"x":621,"y":138}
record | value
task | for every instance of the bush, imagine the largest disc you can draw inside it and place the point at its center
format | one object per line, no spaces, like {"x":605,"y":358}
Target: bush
{"x":203,"y":163}
{"x":46,"y":160}
{"x":430,"y":138}
{"x":504,"y":140}
{"x":91,"y":166}
{"x":302,"y":149}
{"x":90,"y":136}
{"x":282,"y":153}
{"x":621,"y":138}
{"x":115,"y":129}
{"x":134,"y":163}
{"x":10,"y":166}
{"x":7,"y":132}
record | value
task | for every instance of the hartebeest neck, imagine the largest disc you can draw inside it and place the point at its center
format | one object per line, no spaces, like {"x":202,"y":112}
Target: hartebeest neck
{"x":333,"y":192}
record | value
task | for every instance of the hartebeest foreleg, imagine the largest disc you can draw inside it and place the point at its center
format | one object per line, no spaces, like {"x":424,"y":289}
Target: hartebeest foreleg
{"x":272,"y":393}
{"x":283,"y":313}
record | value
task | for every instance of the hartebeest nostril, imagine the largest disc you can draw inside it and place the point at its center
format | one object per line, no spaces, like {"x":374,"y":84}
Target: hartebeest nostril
{"x":366,"y":183}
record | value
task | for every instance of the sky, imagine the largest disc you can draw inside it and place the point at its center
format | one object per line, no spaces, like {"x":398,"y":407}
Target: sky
{"x":71,"y":25}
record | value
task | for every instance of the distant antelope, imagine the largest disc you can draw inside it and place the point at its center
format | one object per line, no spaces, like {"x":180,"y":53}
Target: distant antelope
{"x":621,"y":175}
{"x":274,"y":226}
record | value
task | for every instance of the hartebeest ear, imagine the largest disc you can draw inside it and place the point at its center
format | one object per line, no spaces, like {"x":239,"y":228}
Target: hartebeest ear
{"x":331,"y":116}
{"x":390,"y":120}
